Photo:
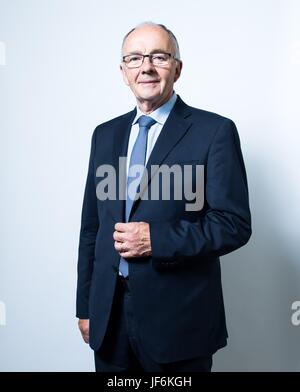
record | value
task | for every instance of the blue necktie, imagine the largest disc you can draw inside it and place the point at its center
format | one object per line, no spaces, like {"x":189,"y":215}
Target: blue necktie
{"x":138,"y":157}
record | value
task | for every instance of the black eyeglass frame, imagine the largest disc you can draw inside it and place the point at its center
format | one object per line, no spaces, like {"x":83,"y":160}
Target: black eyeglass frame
{"x":147,"y":55}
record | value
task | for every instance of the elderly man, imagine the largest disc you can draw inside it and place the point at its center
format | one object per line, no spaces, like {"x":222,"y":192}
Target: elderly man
{"x":149,"y":293}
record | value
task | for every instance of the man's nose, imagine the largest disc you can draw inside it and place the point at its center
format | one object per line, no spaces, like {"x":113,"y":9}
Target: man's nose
{"x":147,"y":65}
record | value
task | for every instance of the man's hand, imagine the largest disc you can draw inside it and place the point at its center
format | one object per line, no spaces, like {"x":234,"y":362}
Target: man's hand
{"x":84,"y":326}
{"x":132,"y":239}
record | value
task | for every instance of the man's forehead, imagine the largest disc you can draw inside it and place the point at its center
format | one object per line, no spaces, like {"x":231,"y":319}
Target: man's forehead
{"x":146,"y":36}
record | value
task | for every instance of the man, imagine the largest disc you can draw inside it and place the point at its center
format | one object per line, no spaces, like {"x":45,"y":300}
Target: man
{"x":149,"y":293}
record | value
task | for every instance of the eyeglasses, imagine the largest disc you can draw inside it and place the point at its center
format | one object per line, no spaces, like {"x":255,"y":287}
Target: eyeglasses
{"x":157,"y":59}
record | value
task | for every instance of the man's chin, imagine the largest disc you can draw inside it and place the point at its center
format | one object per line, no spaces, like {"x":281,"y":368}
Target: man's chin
{"x":149,"y":97}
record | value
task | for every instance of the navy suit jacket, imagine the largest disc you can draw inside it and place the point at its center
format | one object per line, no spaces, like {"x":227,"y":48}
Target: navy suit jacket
{"x":176,"y":293}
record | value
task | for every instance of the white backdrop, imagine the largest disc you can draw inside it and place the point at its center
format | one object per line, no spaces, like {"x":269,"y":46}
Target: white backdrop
{"x":59,"y":78}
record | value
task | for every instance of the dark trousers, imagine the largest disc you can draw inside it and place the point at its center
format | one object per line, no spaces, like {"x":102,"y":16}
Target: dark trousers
{"x":121,"y":350}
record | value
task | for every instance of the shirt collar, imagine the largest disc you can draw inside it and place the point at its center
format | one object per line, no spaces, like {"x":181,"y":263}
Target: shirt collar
{"x":160,"y":114}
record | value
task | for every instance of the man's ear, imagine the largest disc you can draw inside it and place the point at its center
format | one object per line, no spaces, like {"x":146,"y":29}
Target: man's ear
{"x":178,"y":70}
{"x":123,"y":71}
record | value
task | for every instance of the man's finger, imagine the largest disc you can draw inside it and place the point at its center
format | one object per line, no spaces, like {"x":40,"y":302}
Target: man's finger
{"x":126,"y":254}
{"x":118,"y":236}
{"x":122,"y":227}
{"x":119,"y":246}
{"x":85,"y":337}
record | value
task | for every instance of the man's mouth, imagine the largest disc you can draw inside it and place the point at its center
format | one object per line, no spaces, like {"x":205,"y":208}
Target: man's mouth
{"x":149,"y":81}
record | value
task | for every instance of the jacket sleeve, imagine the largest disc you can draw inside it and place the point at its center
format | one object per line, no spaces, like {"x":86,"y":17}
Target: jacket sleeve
{"x":225,"y":223}
{"x":87,"y":239}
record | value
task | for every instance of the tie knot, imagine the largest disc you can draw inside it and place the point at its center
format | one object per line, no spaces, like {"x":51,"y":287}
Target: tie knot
{"x":146,"y":122}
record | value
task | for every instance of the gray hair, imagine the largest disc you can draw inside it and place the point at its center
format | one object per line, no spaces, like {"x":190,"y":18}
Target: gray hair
{"x":171,"y":35}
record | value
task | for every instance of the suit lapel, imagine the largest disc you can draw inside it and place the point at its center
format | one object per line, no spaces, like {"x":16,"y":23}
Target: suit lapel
{"x":121,"y":134}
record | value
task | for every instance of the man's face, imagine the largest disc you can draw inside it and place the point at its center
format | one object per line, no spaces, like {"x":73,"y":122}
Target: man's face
{"x":150,"y":84}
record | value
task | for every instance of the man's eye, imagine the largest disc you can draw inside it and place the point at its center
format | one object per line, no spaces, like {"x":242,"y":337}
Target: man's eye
{"x":134,"y":58}
{"x":160,"y":57}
